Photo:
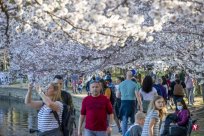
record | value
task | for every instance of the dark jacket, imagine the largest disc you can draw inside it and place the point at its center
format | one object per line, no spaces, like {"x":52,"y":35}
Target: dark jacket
{"x":67,"y":98}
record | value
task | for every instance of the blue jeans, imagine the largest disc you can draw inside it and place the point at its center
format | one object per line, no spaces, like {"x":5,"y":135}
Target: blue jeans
{"x":53,"y":132}
{"x":190,"y":95}
{"x":127,"y":109}
{"x":125,"y":123}
{"x":88,"y":132}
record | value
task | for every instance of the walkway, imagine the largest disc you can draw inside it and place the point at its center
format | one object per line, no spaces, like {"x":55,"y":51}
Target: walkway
{"x":197,"y":110}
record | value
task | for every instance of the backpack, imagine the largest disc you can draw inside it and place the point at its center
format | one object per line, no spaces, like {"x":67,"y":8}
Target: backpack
{"x":68,"y":120}
{"x":178,"y":90}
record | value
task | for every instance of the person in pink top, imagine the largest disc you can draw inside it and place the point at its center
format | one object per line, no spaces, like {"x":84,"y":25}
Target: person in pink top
{"x":95,"y":109}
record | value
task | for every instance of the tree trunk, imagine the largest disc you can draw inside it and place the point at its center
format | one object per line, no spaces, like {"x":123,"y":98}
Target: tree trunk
{"x":5,"y":58}
{"x":197,"y":88}
{"x":202,"y":88}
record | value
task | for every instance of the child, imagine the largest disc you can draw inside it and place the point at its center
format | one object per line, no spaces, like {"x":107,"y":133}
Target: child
{"x":136,"y":129}
{"x":154,"y":115}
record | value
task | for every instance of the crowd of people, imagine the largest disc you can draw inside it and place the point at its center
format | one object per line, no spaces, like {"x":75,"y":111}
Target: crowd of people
{"x":138,"y":108}
{"x":142,"y":104}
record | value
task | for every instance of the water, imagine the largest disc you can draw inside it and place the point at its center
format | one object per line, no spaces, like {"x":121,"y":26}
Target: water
{"x":16,"y":118}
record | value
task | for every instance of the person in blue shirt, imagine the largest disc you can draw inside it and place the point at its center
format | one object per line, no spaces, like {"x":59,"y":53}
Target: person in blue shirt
{"x":136,"y":129}
{"x":128,"y":90}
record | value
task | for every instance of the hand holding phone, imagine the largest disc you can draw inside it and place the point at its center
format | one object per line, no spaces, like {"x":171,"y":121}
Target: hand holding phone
{"x":30,"y":86}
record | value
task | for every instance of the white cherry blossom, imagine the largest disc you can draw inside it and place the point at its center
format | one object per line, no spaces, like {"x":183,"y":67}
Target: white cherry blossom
{"x":50,"y":36}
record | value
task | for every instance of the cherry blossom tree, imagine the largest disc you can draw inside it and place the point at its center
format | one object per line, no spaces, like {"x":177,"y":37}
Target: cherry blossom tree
{"x":87,"y":35}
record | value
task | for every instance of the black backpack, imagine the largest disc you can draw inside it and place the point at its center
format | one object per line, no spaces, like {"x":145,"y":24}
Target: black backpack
{"x":68,"y":120}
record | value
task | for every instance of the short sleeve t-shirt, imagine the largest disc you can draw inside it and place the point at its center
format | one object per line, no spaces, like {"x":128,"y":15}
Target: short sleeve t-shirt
{"x":46,"y":119}
{"x":148,"y":96}
{"x":127,"y":89}
{"x":153,"y":114}
{"x":96,"y":109}
{"x":116,"y":87}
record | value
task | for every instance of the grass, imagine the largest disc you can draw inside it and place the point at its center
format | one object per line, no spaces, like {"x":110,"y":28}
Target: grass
{"x":198,"y":110}
{"x":197,"y":133}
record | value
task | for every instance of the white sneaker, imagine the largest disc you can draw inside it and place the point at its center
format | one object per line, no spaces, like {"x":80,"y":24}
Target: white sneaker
{"x":113,"y":125}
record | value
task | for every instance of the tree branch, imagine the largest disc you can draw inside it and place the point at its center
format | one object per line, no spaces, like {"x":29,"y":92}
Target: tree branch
{"x":182,"y":32}
{"x":79,"y":28}
{"x":4,"y":9}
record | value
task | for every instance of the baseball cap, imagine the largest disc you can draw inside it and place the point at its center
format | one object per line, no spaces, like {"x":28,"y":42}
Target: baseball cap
{"x":96,"y":80}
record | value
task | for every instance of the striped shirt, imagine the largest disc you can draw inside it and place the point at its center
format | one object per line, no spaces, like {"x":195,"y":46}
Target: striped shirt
{"x":46,"y":119}
{"x":153,"y":114}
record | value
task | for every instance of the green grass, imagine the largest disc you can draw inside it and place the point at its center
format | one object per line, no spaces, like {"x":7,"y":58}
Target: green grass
{"x":197,"y":133}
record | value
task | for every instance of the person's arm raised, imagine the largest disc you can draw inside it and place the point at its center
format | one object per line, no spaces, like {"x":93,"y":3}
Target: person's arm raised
{"x":53,"y":105}
{"x":29,"y":101}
